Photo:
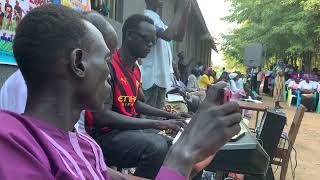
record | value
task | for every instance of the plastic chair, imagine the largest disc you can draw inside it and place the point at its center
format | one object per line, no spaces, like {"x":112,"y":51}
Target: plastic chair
{"x":298,"y":94}
{"x":285,"y":93}
{"x":315,"y":99}
{"x":290,"y":96}
{"x":284,"y":150}
{"x":318,"y":106}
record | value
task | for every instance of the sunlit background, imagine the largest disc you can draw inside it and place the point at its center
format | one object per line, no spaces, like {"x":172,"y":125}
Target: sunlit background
{"x":213,"y":11}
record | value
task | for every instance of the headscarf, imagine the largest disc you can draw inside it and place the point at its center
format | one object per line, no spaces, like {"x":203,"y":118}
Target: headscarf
{"x":233,"y":75}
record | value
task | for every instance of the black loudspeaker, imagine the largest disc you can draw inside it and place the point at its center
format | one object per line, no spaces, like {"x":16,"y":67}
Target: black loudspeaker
{"x":269,"y":133}
{"x":270,"y":130}
{"x":254,"y":55}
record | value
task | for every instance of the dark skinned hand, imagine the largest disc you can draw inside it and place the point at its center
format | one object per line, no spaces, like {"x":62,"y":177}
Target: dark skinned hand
{"x":210,"y":128}
{"x":172,"y":124}
{"x":180,"y":116}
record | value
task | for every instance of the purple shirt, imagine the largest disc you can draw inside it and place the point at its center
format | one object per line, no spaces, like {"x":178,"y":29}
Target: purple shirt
{"x":33,"y":149}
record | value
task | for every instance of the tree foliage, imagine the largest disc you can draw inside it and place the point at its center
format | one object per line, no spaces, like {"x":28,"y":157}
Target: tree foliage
{"x":290,"y":29}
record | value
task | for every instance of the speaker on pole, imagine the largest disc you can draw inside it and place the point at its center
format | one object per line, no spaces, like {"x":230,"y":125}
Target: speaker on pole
{"x":254,"y":55}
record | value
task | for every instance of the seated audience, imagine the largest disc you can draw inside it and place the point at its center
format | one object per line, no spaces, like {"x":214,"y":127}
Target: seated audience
{"x":236,"y":92}
{"x":241,"y":81}
{"x":65,"y":74}
{"x":206,"y":79}
{"x":193,"y":86}
{"x":306,"y":89}
{"x":294,"y":84}
{"x":224,"y":77}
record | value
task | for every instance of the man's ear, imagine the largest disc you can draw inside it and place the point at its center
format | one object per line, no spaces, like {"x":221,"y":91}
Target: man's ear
{"x":77,"y":62}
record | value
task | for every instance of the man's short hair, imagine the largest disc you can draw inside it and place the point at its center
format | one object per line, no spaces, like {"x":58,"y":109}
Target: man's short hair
{"x":97,"y":20}
{"x":45,"y":34}
{"x":132,"y":23}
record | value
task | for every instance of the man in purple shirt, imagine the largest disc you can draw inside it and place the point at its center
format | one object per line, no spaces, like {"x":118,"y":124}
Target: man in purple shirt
{"x":63,"y":59}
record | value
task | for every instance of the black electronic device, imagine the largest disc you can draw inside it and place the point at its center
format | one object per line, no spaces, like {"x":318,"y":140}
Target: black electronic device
{"x":270,"y":129}
{"x":244,"y":156}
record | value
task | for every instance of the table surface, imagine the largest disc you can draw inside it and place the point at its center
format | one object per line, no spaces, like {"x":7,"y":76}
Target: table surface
{"x":252,"y":106}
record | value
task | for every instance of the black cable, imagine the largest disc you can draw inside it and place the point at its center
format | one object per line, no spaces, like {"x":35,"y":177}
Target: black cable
{"x":261,"y":142}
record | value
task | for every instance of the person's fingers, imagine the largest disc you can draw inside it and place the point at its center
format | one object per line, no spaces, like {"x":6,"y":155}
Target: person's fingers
{"x":232,"y":131}
{"x":228,"y":108}
{"x":183,"y":121}
{"x":232,"y":119}
{"x":186,"y":115}
{"x":178,"y":128}
{"x":182,"y":124}
{"x":213,"y":91}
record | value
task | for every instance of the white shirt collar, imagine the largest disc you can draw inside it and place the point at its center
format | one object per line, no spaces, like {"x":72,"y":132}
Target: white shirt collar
{"x":152,"y":13}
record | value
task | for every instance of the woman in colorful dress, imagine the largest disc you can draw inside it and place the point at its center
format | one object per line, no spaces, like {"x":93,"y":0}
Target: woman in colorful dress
{"x":278,"y":84}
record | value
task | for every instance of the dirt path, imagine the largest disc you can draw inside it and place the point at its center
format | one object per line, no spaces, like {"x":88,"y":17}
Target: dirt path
{"x":307,"y":144}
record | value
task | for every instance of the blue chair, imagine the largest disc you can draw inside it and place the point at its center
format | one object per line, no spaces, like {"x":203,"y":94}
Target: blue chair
{"x":298,"y":93}
{"x":318,"y":105}
{"x":315,"y":99}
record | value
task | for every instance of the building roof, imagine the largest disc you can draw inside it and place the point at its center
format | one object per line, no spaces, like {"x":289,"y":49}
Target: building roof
{"x":207,"y":35}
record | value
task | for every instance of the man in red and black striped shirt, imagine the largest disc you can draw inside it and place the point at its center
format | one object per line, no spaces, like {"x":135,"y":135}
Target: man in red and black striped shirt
{"x":118,"y":132}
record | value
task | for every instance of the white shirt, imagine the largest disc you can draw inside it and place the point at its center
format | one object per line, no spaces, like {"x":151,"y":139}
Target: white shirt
{"x":193,"y":83}
{"x":240,"y":83}
{"x":13,"y":94}
{"x":293,"y":85}
{"x":314,"y":84}
{"x":13,"y":97}
{"x":157,"y":66}
{"x":288,"y":81}
{"x":233,"y":86}
{"x":304,"y":85}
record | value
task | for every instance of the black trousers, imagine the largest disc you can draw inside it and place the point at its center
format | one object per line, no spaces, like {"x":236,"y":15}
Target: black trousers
{"x":136,"y":148}
{"x":266,"y":89}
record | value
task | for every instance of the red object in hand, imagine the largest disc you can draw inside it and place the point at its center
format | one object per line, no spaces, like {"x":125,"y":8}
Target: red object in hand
{"x":225,"y":96}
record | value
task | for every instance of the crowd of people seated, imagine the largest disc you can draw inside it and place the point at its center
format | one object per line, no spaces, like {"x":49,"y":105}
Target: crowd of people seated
{"x":277,"y":81}
{"x":307,"y":86}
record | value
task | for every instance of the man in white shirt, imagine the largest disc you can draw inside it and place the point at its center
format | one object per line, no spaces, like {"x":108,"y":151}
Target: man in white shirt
{"x":13,"y":94}
{"x":157,"y":66}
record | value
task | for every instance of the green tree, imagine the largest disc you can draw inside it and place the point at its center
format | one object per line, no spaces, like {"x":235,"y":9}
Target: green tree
{"x":290,"y":29}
